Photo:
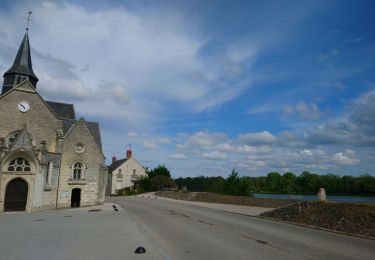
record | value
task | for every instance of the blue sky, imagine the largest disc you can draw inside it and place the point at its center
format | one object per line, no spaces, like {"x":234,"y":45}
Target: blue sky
{"x":205,"y":87}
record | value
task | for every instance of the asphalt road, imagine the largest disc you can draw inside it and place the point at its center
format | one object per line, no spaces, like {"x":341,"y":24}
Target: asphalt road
{"x":189,"y":232}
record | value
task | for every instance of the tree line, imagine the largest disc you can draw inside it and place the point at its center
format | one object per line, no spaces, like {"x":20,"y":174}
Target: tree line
{"x":287,"y":183}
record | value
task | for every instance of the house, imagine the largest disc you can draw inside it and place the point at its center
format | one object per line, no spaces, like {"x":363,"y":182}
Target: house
{"x":124,"y":173}
{"x":48,"y":158}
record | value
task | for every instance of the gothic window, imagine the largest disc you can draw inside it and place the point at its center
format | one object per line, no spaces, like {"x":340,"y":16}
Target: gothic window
{"x":19,"y":165}
{"x":78,"y":168}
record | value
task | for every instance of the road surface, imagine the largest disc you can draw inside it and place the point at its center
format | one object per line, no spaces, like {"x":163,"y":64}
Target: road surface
{"x":189,"y":232}
{"x":73,"y":234}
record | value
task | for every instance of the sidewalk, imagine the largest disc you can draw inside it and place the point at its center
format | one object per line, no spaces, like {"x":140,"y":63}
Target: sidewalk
{"x":244,"y":210}
{"x":96,"y":232}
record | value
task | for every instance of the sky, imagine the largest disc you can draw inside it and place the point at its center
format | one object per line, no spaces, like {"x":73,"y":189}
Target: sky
{"x":207,"y":86}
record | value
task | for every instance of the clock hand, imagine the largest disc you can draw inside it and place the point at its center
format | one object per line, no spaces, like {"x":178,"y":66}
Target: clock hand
{"x":23,"y":106}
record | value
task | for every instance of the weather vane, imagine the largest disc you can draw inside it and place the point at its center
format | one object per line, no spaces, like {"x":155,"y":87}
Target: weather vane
{"x":28,"y":19}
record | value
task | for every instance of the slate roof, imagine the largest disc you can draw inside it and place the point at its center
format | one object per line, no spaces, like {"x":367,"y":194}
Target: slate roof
{"x":67,"y":124}
{"x":22,"y":63}
{"x":62,"y":110}
{"x":116,"y":164}
{"x":95,"y":132}
{"x":93,"y":127}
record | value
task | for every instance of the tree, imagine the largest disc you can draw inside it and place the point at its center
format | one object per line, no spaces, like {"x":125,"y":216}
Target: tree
{"x":232,"y":183}
{"x":288,"y":183}
{"x":273,"y":181}
{"x":161,"y":182}
{"x":217,"y":186}
{"x":160,"y":170}
{"x":144,"y":184}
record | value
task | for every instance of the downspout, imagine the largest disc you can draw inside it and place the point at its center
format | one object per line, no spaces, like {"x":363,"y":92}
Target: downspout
{"x":58,"y":185}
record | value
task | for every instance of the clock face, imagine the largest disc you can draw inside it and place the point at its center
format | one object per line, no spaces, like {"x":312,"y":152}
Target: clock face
{"x":23,"y":106}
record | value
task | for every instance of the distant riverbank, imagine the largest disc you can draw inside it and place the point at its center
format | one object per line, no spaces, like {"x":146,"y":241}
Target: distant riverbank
{"x":333,"y":198}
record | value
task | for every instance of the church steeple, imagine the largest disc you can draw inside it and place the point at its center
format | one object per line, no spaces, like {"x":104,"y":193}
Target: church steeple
{"x":22,"y":68}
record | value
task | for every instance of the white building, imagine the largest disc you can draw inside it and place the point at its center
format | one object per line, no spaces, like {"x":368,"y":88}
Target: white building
{"x":124,"y":173}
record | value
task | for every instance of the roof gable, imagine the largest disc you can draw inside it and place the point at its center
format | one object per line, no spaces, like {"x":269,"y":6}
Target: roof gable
{"x":116,"y":164}
{"x":92,"y":127}
{"x":26,"y":86}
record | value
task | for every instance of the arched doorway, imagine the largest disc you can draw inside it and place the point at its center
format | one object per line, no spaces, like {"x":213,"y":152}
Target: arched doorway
{"x":76,"y":198}
{"x":16,"y":195}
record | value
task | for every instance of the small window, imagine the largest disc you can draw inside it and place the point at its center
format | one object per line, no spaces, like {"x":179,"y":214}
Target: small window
{"x":134,"y":171}
{"x":77,"y":170}
{"x":79,"y":148}
{"x":19,"y":165}
{"x":119,"y":174}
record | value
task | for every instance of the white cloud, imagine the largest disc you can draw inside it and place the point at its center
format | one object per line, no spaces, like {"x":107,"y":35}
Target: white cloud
{"x":303,"y":110}
{"x":132,"y":63}
{"x":214,"y":155}
{"x":334,"y":85}
{"x":347,"y":158}
{"x":263,"y":108}
{"x":206,"y":139}
{"x":224,"y":147}
{"x":254,"y":149}
{"x":178,"y":156}
{"x":264,"y":137}
{"x":150,"y":144}
{"x":154,"y":143}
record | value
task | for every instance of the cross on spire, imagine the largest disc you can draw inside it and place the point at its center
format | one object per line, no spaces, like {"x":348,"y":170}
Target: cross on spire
{"x":28,"y":19}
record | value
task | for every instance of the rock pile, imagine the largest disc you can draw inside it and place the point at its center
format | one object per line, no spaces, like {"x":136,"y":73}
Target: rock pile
{"x":350,"y":218}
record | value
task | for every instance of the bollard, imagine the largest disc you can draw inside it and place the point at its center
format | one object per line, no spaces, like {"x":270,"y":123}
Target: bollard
{"x":322,"y":195}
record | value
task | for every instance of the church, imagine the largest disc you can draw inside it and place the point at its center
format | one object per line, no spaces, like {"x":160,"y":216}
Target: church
{"x":49,"y":159}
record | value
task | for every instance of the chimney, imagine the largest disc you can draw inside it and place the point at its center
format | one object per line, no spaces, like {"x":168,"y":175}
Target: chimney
{"x":128,"y":153}
{"x":114,"y":159}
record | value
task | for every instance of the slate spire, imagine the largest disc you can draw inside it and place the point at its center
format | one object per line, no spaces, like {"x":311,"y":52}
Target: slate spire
{"x":22,"y":67}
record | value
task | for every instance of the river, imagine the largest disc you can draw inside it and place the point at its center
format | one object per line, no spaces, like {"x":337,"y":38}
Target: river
{"x":357,"y":199}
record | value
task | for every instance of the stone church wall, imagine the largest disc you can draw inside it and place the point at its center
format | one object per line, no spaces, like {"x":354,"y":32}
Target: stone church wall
{"x":93,"y":160}
{"x":40,"y":122}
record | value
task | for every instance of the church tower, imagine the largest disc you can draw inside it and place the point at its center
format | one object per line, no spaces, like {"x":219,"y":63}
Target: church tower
{"x":21,"y":69}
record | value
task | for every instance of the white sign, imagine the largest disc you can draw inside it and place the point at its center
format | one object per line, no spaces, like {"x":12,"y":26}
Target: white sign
{"x":64,"y":194}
